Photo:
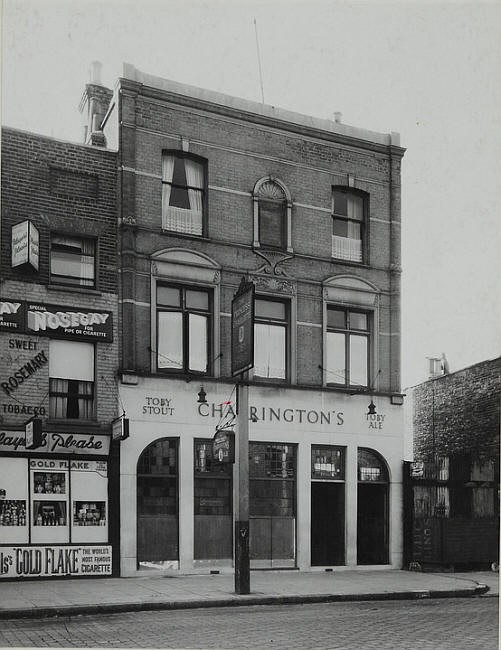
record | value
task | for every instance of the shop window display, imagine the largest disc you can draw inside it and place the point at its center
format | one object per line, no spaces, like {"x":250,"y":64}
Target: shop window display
{"x":89,"y":514}
{"x":13,"y":512}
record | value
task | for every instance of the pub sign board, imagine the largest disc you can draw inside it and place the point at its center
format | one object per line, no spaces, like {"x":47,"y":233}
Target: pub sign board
{"x":223,"y":446}
{"x":242,"y":328}
{"x":41,"y":319}
{"x":25,"y":245}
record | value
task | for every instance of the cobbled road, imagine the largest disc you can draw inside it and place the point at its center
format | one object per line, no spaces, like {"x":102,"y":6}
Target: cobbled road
{"x":449,"y":624}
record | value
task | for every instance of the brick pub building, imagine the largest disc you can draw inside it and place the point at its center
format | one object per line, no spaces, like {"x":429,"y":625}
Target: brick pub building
{"x":212,"y":189}
{"x":58,"y":354}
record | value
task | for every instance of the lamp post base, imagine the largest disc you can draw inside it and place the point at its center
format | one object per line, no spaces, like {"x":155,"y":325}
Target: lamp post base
{"x":242,"y":562}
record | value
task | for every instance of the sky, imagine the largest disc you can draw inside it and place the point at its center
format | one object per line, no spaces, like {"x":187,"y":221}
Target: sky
{"x":428,"y":70}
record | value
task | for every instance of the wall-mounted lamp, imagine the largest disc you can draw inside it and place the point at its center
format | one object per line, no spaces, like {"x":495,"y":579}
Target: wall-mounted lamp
{"x":202,"y":395}
{"x":372,"y":408}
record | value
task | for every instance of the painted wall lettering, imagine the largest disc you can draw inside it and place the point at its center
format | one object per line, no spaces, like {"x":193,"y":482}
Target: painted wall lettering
{"x":24,"y":372}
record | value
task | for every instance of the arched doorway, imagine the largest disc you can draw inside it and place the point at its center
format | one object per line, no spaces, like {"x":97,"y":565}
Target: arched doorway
{"x":372,"y":508}
{"x":157,"y":504}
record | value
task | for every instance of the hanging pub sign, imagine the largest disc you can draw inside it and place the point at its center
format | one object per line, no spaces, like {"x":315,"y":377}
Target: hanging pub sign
{"x":25,"y":245}
{"x":81,"y":323}
{"x":223,"y":446}
{"x":120,"y":428}
{"x":242,"y":328}
{"x":33,"y":433}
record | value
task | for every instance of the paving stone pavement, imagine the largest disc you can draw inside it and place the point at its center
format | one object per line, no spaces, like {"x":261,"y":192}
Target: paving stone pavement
{"x":174,"y":591}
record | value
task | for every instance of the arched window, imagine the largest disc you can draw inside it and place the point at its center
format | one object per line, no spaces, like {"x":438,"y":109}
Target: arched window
{"x":349,"y":216}
{"x":272,"y":215}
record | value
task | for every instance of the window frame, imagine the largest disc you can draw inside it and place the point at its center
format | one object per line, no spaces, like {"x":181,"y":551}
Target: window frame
{"x":73,"y":281}
{"x":91,"y":398}
{"x":185,"y":325}
{"x":286,"y":323}
{"x":180,"y":154}
{"x":348,"y":332}
{"x":364,"y":222}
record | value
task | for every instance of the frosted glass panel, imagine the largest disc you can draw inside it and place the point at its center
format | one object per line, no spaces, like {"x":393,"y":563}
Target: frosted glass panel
{"x":336,"y":358}
{"x":170,"y":340}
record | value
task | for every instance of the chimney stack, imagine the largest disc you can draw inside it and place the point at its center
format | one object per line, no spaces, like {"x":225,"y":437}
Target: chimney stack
{"x":94,"y":106}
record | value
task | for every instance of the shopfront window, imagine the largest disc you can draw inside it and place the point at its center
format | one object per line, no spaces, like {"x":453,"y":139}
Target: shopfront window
{"x":54,"y":501}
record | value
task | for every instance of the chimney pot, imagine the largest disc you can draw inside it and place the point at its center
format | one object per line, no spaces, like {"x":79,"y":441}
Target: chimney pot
{"x":95,"y":72}
{"x":337,"y":117}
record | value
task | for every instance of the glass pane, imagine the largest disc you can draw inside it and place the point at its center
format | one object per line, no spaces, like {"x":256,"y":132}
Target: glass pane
{"x":340,"y":227}
{"x":156,"y":495}
{"x":198,"y":343}
{"x":271,"y":223}
{"x":179,"y":198}
{"x":159,"y":458}
{"x":197,"y":299}
{"x":358,"y":360}
{"x":358,"y":321}
{"x":327,"y":462}
{"x":336,"y":358}
{"x":373,"y":466}
{"x":179,"y":173}
{"x":269,"y":351}
{"x":170,"y":340}
{"x":270,"y":309}
{"x":355,"y":207}
{"x":340,"y":202}
{"x":336,"y":318}
{"x":71,"y":264}
{"x":168,"y":296}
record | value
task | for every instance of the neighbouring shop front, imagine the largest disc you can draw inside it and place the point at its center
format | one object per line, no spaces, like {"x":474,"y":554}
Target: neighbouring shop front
{"x":54,"y":506}
{"x":324,"y":482}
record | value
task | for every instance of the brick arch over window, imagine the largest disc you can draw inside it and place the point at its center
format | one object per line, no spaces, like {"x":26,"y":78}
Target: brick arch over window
{"x":272,"y":214}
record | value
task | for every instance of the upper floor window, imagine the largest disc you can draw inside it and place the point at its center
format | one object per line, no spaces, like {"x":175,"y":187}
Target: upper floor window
{"x":183,"y":193}
{"x":270,"y":339}
{"x":71,"y":379}
{"x":272,"y":215}
{"x":348,"y":343}
{"x":348,"y":212}
{"x":73,"y":260}
{"x":183,"y":327}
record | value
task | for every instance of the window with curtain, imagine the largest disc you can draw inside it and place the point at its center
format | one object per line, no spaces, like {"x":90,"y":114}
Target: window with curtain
{"x":183,"y":193}
{"x":71,"y":380}
{"x":183,"y":326}
{"x":348,"y":347}
{"x":270,"y":339}
{"x":348,"y":218}
{"x":272,"y":216}
{"x":72,"y":260}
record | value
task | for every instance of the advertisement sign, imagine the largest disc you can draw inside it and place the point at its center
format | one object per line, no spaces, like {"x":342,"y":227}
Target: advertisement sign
{"x":25,"y":245}
{"x":68,"y":322}
{"x":11,"y":316}
{"x":242,"y":328}
{"x":64,"y":322}
{"x":54,"y":561}
{"x":223,"y":446}
{"x":91,"y":444}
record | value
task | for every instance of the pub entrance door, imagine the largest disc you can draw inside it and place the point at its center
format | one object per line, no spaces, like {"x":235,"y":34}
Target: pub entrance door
{"x":157,"y":505}
{"x":272,"y":505}
{"x":372,"y":509}
{"x":327,"y":524}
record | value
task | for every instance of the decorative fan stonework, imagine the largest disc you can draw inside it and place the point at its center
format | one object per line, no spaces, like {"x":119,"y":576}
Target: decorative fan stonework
{"x":270,"y":190}
{"x":277,"y":285}
{"x":272,"y":261}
